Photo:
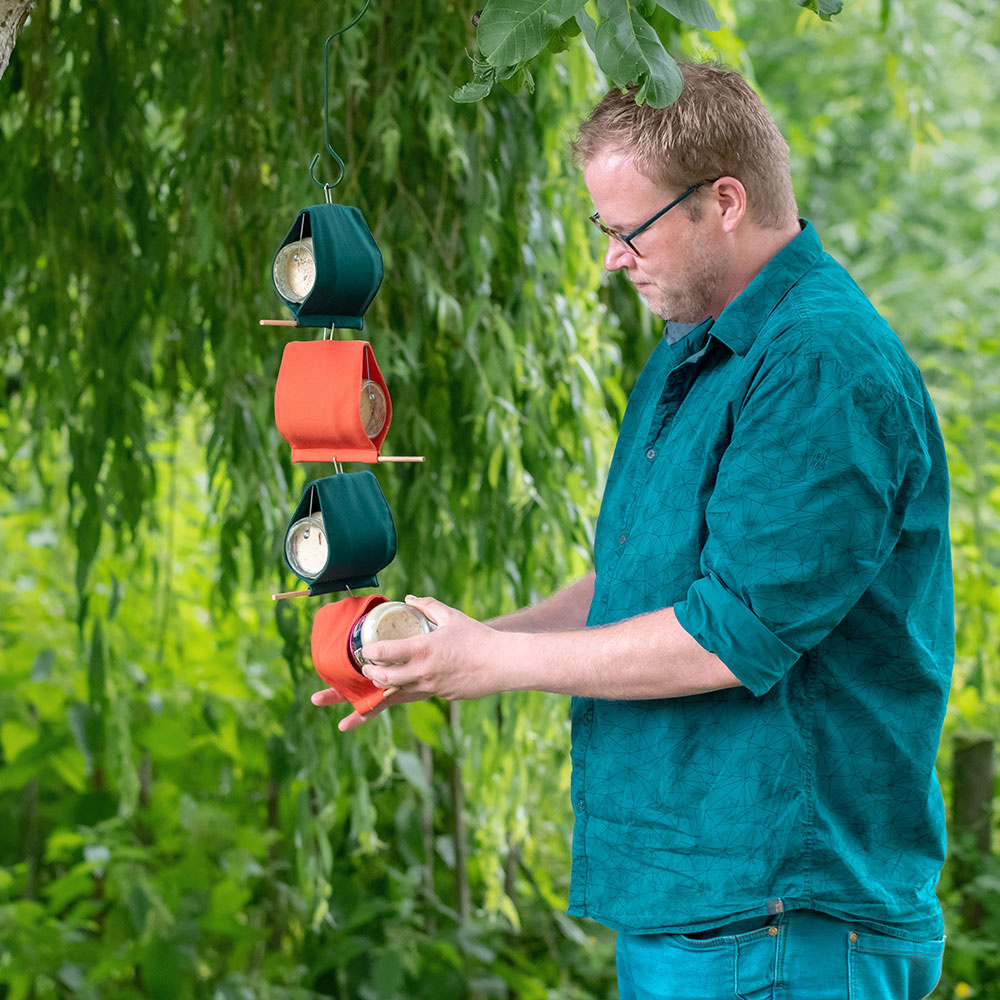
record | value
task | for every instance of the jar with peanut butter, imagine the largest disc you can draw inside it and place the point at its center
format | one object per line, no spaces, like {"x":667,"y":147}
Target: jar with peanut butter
{"x":391,"y":620}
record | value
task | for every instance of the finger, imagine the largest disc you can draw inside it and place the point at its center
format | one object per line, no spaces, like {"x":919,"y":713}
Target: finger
{"x":328,"y":696}
{"x":391,"y":652}
{"x":388,"y":677}
{"x":389,"y":698}
{"x":356,"y":719}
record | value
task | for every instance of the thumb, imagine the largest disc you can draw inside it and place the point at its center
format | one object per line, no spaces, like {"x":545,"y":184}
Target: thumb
{"x":437,"y":611}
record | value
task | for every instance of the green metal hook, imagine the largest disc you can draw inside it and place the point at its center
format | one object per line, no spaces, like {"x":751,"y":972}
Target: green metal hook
{"x":328,"y":188}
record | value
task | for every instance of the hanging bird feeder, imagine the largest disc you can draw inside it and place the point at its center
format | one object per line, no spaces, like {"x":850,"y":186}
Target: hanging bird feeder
{"x":331,"y":403}
{"x":328,"y":267}
{"x":341,"y":534}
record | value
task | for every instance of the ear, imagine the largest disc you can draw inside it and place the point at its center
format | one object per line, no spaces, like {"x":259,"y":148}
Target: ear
{"x":731,"y":202}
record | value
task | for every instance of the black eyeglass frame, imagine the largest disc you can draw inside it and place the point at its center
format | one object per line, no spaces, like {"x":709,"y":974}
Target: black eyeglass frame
{"x":627,"y":238}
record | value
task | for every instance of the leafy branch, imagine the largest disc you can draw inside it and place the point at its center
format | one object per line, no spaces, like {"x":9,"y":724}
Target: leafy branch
{"x":624,"y":39}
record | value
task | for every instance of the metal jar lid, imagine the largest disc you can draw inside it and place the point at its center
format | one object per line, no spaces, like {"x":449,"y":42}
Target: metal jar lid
{"x":306,"y":547}
{"x":295,"y":270}
{"x":373,"y":408}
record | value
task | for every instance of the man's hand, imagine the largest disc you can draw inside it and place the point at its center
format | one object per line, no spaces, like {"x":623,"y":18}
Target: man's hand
{"x":458,"y":660}
{"x":330,"y":696}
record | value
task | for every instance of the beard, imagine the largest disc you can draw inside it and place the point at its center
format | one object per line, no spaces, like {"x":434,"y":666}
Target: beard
{"x":687,"y":294}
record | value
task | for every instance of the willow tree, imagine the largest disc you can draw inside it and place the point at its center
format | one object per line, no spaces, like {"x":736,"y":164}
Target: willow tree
{"x":151,"y":165}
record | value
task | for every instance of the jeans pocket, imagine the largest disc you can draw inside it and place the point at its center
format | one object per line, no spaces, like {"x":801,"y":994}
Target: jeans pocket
{"x":757,"y":963}
{"x":754,"y":953}
{"x":887,"y":968}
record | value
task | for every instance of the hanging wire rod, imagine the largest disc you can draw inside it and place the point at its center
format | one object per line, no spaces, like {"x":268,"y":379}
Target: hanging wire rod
{"x":327,"y":188}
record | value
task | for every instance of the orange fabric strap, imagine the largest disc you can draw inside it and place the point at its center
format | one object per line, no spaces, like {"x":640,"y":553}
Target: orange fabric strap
{"x":331,"y":635}
{"x":317,"y":400}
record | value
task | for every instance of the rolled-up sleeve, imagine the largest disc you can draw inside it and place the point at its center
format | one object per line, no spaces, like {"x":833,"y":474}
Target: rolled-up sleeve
{"x":808,"y":504}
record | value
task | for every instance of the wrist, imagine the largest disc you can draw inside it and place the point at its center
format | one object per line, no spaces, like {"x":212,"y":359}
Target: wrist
{"x":510,"y":662}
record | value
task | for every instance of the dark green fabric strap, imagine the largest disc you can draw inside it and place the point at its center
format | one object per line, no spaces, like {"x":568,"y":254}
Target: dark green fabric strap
{"x":349,"y":266}
{"x":360,"y":532}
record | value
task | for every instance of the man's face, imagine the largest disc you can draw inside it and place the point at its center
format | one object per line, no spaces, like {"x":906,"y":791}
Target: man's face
{"x":682,"y":269}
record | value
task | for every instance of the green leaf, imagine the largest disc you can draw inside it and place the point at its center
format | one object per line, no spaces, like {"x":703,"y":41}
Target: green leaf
{"x":116,"y":596}
{"x":511,"y":31}
{"x":42,"y":666}
{"x":587,"y":26}
{"x":412,"y":770}
{"x":825,"y":9}
{"x":630,"y":51}
{"x":88,"y":537}
{"x":87,"y":730}
{"x":426,"y":722}
{"x":696,"y":12}
{"x":96,"y":668}
{"x":561,"y":37}
{"x":474,"y":90}
{"x":520,"y":80}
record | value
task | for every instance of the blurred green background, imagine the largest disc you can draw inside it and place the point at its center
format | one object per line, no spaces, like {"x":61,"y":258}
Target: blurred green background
{"x":176,"y":819}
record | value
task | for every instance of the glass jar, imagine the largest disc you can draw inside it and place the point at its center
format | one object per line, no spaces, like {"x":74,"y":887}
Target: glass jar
{"x":295,"y":270}
{"x":306,"y":547}
{"x":392,"y":620}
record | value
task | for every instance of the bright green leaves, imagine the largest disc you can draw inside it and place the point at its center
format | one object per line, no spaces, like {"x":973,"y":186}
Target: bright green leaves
{"x":696,"y":12}
{"x":627,"y":45}
{"x":514,"y":78}
{"x":630,"y":51}
{"x":514,"y":31}
{"x":484,"y":76}
{"x":510,"y":33}
{"x":825,"y":9}
{"x":627,"y":40}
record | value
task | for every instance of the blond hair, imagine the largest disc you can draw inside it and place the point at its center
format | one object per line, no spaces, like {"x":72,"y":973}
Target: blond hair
{"x":718,"y":127}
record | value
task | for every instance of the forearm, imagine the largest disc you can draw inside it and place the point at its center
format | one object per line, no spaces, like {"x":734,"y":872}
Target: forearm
{"x":643,"y":658}
{"x":565,"y":610}
{"x":646,"y":657}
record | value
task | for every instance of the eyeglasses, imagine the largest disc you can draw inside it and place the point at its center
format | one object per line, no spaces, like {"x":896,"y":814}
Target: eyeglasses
{"x":627,"y":238}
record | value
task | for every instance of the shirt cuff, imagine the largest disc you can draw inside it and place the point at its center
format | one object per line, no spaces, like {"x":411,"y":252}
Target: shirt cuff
{"x":721,"y":623}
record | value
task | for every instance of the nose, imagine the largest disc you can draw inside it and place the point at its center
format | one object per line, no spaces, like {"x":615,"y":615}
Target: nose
{"x":618,"y":256}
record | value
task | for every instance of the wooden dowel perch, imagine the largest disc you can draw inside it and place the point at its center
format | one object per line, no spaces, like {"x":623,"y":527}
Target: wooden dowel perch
{"x":278,"y":322}
{"x":291,"y":593}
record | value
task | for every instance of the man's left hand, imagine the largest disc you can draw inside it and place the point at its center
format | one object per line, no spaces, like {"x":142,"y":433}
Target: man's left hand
{"x":457,"y":661}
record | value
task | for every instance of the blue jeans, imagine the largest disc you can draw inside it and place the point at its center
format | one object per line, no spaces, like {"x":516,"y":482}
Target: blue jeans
{"x":798,"y":955}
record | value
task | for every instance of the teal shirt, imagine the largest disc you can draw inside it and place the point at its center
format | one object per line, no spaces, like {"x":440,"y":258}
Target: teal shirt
{"x":780,"y":481}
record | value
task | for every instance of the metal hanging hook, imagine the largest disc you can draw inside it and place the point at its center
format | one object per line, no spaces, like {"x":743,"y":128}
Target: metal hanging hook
{"x":328,"y":187}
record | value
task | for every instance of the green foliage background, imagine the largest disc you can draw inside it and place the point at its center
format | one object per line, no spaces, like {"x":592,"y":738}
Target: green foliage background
{"x":178,"y":820}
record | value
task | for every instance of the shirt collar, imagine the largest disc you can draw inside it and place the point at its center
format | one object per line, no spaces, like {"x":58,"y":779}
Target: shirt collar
{"x":740,"y":322}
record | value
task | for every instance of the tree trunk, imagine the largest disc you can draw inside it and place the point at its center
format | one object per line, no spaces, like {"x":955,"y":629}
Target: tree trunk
{"x":463,"y":898}
{"x":13,"y":14}
{"x":972,"y":814}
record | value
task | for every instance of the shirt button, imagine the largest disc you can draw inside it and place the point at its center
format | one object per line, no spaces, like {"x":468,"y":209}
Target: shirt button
{"x":579,"y":805}
{"x":621,"y":539}
{"x":651,"y":454}
{"x":853,"y":937}
{"x":773,"y":931}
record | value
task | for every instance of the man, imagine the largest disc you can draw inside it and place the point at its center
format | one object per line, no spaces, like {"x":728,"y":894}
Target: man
{"x":760,"y":664}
